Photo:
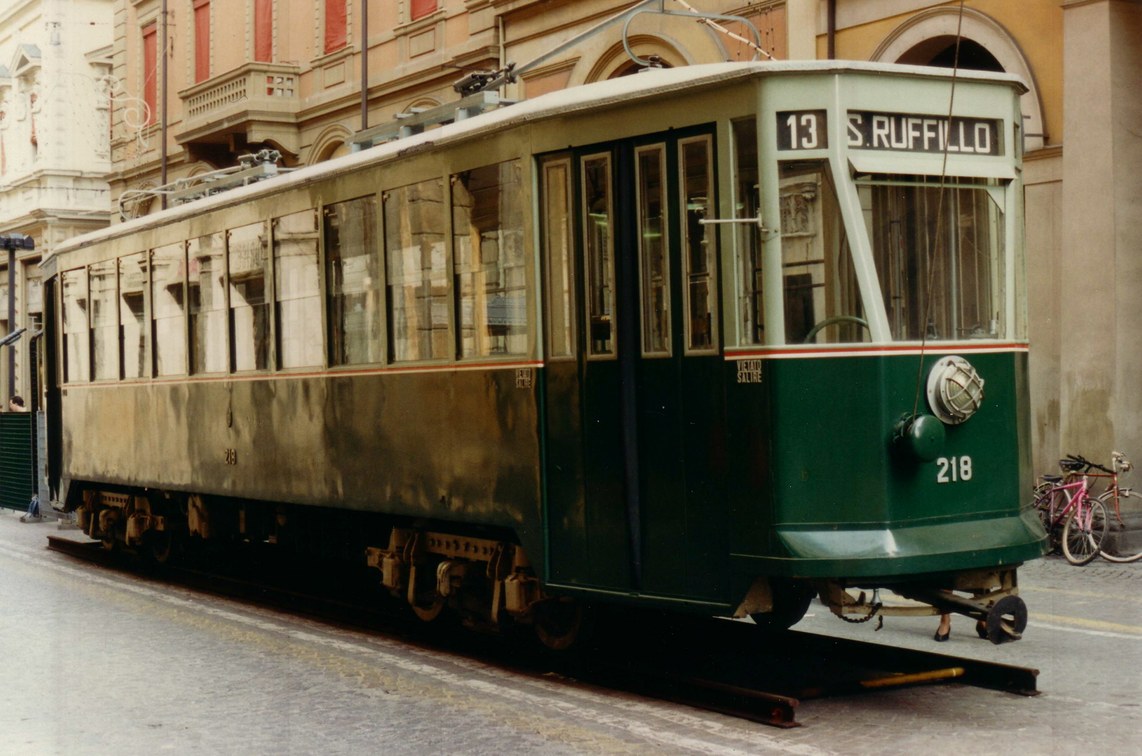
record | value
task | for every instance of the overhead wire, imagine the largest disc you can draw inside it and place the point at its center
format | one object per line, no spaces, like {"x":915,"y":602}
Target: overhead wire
{"x":933,"y":246}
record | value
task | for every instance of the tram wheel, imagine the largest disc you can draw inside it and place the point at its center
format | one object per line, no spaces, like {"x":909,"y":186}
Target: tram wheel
{"x":791,"y":599}
{"x":160,"y":546}
{"x":1007,"y":620}
{"x":558,"y":623}
{"x":429,"y":611}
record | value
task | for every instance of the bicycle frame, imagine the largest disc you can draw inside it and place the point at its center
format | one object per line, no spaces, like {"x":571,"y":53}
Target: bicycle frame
{"x":1075,"y":492}
{"x":1120,"y":464}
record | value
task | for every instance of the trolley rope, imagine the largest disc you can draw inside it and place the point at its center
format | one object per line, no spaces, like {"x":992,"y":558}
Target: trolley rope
{"x":718,"y":27}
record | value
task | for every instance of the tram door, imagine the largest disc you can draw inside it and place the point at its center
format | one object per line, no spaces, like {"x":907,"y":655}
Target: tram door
{"x":633,"y":397}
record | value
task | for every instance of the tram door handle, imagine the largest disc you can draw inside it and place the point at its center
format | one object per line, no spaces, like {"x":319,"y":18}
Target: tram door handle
{"x":755,"y":221}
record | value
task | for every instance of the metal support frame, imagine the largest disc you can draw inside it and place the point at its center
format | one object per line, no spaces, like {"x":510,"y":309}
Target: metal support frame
{"x":408,"y":124}
{"x":250,"y":169}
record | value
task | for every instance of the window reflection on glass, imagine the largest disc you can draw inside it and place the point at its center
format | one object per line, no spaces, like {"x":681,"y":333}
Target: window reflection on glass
{"x":77,"y":352}
{"x":822,"y":298}
{"x":747,"y":197}
{"x":104,"y":320}
{"x":653,"y":245}
{"x":417,"y":271}
{"x":297,"y":282}
{"x":491,"y":281}
{"x":353,"y":272}
{"x":948,"y":241}
{"x":249,"y":267}
{"x":557,"y":251}
{"x":168,"y":276}
{"x":698,"y":242}
{"x":598,"y":244}
{"x":206,"y":293}
{"x":132,"y":315}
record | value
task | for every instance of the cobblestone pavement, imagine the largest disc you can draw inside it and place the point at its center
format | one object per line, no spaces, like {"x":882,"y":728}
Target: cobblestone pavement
{"x":99,"y":662}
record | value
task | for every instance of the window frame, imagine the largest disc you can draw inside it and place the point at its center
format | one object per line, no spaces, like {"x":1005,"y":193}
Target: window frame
{"x":566,"y":262}
{"x":375,"y":347}
{"x":447,"y":299}
{"x":589,"y":282}
{"x":508,"y":186}
{"x":202,"y":43}
{"x":183,"y":326}
{"x":710,"y":235}
{"x":143,"y":323}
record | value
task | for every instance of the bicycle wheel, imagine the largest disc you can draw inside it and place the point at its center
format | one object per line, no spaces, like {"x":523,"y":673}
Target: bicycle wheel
{"x":1084,"y":531}
{"x":1042,"y":501}
{"x":1132,"y":552}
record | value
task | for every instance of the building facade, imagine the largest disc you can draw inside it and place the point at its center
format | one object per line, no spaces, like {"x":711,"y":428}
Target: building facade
{"x":198,"y":83}
{"x":55,"y":65}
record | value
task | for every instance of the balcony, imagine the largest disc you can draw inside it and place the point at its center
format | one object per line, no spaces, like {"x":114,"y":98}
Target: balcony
{"x":255,"y":103}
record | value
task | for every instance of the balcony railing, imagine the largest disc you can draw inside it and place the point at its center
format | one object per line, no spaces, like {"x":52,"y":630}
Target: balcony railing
{"x":260,"y":100}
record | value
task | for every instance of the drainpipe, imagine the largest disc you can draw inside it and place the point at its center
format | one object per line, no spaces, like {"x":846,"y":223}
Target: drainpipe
{"x":163,"y":116}
{"x":364,"y":64}
{"x":832,"y":33}
{"x":11,"y":319}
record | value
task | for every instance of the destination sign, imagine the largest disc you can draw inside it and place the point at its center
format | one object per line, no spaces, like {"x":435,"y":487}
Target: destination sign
{"x":919,"y":133}
{"x":895,"y":132}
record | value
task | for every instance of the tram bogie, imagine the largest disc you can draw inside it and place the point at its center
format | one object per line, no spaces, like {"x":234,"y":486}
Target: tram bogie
{"x":713,"y":339}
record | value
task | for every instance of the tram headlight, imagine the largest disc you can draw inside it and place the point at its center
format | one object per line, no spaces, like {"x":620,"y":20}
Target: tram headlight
{"x":955,"y":390}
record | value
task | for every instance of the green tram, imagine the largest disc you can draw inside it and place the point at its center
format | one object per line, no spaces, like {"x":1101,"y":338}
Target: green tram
{"x":714,"y":339}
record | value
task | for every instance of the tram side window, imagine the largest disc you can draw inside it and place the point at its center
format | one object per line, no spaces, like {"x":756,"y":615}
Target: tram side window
{"x":598,"y":243}
{"x":77,"y":352}
{"x":747,"y":198}
{"x":650,"y":167}
{"x":104,"y":320}
{"x":822,"y":297}
{"x":353,"y":270}
{"x":491,"y":282}
{"x":168,"y":308}
{"x":206,"y":292}
{"x":297,"y":283}
{"x":558,"y":257}
{"x":417,"y":272}
{"x":249,"y":265}
{"x":132,"y":316}
{"x":948,"y":241}
{"x":697,"y":165}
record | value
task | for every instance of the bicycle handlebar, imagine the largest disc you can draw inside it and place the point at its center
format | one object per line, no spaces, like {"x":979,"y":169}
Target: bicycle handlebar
{"x":1076,"y":462}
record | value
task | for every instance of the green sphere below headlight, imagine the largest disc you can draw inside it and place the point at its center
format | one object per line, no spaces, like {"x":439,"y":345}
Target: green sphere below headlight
{"x":924,"y":435}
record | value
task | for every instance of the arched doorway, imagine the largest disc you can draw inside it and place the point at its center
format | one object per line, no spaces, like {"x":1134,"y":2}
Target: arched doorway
{"x":941,"y":51}
{"x":929,"y":39}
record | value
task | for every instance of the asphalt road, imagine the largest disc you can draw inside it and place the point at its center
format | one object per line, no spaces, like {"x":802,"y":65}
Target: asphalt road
{"x":98,"y":662}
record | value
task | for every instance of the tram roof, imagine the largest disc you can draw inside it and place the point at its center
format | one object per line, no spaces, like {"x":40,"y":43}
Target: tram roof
{"x":597,"y":95}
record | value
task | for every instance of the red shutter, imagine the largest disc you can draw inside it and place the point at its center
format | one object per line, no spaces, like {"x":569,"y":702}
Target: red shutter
{"x":151,"y":72}
{"x":201,"y":40}
{"x":264,"y":30}
{"x":336,"y":31}
{"x":421,"y":8}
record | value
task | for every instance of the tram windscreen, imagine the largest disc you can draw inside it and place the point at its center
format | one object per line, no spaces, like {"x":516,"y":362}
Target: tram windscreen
{"x":939,"y":255}
{"x":822,"y":297}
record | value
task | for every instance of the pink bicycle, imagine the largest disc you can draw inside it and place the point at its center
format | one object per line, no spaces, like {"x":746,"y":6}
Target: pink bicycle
{"x":1076,"y":521}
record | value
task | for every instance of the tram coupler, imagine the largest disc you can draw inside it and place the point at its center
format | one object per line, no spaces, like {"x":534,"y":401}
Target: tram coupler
{"x":1000,"y":615}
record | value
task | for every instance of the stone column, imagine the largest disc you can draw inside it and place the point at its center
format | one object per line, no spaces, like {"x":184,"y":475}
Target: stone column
{"x":1101,"y":262}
